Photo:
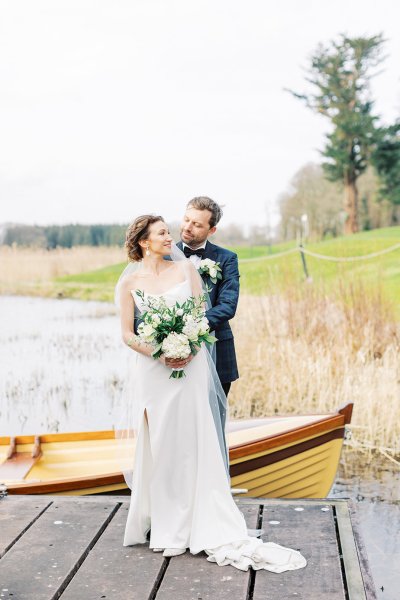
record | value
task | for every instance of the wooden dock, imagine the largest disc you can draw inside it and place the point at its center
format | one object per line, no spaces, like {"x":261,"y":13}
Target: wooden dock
{"x":71,"y":548}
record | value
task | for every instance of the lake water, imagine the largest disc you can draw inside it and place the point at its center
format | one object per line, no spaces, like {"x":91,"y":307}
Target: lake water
{"x":62,"y":364}
{"x":373,"y":484}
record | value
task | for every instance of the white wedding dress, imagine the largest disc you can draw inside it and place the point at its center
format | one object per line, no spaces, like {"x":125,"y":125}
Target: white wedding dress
{"x":180,"y":488}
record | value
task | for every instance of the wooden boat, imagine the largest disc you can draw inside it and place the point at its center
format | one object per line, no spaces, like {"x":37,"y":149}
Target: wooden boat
{"x":279,"y":457}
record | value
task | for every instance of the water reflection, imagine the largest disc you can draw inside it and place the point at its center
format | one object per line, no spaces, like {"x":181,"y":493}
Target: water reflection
{"x":374,"y":486}
{"x":62,"y":364}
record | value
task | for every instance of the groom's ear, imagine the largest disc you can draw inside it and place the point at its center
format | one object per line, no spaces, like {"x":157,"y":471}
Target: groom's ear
{"x":212,"y":231}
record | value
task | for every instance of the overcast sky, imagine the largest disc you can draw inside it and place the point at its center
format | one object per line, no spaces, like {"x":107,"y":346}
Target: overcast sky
{"x":113,"y":108}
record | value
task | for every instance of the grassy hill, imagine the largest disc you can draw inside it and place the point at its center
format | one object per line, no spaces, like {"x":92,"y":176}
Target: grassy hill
{"x":264,"y":275}
{"x":263,"y":271}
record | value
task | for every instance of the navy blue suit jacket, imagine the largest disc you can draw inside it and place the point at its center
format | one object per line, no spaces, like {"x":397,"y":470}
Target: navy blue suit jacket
{"x":224,"y":298}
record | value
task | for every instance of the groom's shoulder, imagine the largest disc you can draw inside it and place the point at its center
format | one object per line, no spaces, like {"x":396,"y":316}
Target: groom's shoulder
{"x":221,"y":251}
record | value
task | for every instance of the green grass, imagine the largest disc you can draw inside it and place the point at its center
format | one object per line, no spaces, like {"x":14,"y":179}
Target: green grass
{"x":91,"y":285}
{"x":107,"y":275}
{"x":246,"y":252}
{"x":267,"y":275}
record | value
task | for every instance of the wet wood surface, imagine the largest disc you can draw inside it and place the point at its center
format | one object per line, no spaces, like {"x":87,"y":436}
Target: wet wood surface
{"x":71,"y":548}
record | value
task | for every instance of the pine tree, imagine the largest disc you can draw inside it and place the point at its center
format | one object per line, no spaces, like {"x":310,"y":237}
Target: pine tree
{"x":340,"y":74}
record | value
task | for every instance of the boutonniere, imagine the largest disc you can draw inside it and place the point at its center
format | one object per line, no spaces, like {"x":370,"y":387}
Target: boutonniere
{"x":211,"y":268}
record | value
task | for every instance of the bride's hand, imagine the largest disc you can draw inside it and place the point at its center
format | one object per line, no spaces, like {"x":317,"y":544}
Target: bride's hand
{"x":164,"y":361}
{"x":169,"y":362}
{"x":176,"y":363}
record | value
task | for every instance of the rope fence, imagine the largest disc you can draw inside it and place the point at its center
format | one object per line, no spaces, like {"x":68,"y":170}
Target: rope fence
{"x":338,"y":259}
{"x":268,"y":256}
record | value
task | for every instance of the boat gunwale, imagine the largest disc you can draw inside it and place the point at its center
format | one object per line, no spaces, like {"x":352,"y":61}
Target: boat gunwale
{"x":253,"y":463}
{"x":286,"y":437}
{"x":65,"y":485}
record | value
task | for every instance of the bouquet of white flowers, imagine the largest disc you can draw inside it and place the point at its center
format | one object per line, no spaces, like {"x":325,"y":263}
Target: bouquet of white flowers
{"x":175,"y":332}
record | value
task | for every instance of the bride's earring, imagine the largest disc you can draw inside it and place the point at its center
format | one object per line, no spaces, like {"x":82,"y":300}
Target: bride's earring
{"x":147,"y":251}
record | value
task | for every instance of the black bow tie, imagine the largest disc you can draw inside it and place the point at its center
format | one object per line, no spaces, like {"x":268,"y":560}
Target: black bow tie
{"x":189,"y":252}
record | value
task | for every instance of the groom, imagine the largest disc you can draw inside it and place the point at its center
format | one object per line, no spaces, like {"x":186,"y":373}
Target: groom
{"x":199,"y":223}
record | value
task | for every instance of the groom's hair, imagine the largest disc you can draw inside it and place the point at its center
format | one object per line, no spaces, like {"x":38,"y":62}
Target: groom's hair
{"x":205,"y":203}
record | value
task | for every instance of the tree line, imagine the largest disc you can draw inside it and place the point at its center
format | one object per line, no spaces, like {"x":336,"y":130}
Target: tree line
{"x":67,"y":236}
{"x":64,"y":236}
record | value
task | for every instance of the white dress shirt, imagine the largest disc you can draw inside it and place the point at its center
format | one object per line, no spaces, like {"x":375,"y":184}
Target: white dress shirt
{"x":196,"y":260}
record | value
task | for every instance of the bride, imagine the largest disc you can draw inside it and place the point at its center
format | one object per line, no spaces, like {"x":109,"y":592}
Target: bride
{"x":180,"y":488}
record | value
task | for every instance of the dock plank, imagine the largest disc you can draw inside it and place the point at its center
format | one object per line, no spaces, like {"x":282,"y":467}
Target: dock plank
{"x":40,"y":563}
{"x":312,"y":531}
{"x":16,"y":518}
{"x":192,"y":577}
{"x":355,"y":583}
{"x":369,"y":586}
{"x":71,"y":548}
{"x":109,"y":563}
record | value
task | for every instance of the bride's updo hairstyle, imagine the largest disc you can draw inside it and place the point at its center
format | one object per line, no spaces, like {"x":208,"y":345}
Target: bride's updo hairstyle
{"x":137,"y":231}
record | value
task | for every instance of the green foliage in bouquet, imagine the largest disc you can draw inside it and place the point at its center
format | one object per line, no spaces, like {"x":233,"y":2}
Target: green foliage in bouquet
{"x":175,"y":331}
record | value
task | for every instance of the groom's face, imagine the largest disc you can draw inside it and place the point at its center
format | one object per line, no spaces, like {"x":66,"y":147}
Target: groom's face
{"x":195,"y":228}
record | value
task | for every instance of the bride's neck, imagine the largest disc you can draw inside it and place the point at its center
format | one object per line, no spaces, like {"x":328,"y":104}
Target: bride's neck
{"x":154,"y":264}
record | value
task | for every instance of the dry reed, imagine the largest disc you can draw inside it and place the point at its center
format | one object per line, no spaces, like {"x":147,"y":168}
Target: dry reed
{"x":20,"y":265}
{"x":303,"y":351}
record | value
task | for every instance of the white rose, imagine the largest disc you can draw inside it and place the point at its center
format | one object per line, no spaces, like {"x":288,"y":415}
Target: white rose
{"x":206,"y":262}
{"x":179,"y":312}
{"x":155,"y":319}
{"x":213,"y":272}
{"x":148,"y":330}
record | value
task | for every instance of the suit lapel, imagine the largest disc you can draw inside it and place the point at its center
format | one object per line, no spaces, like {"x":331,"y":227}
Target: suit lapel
{"x":210,"y":251}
